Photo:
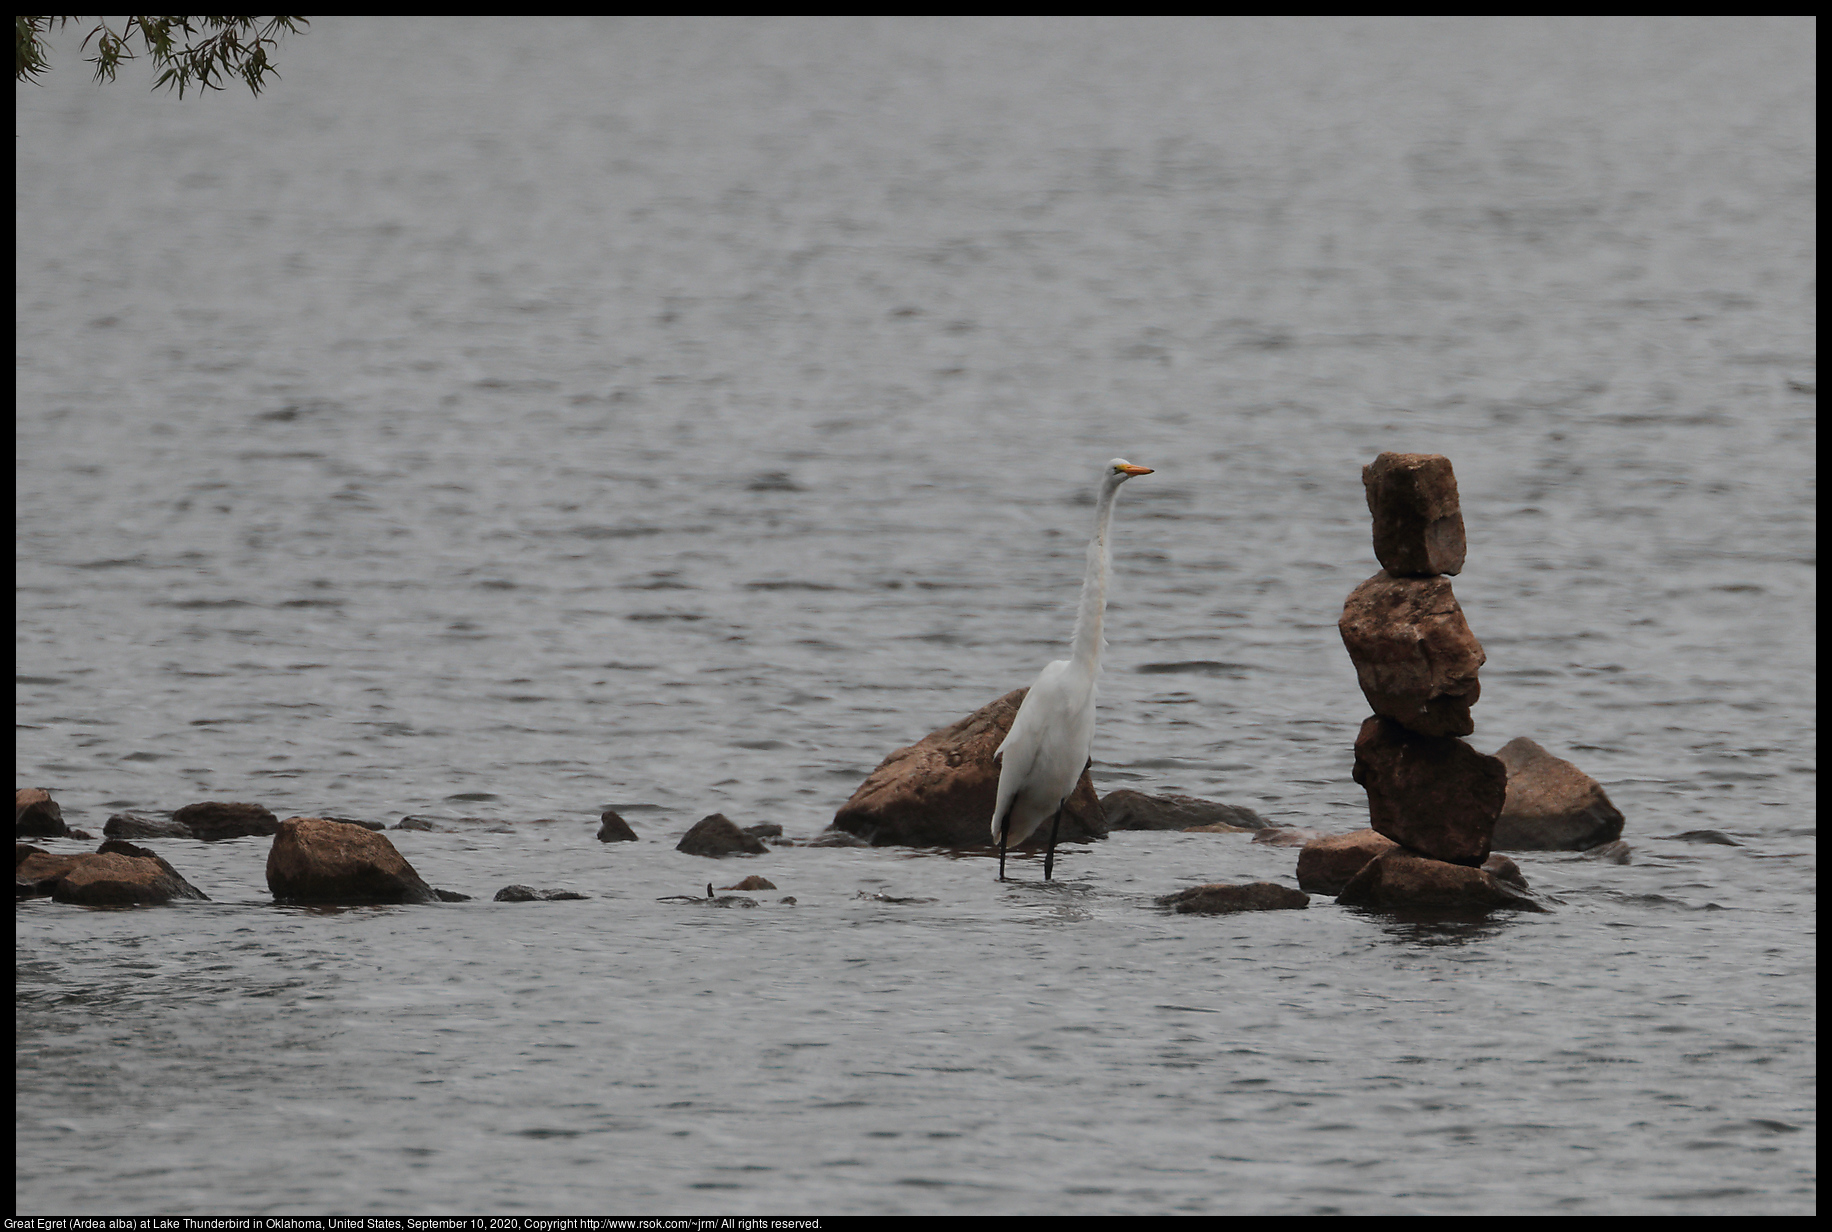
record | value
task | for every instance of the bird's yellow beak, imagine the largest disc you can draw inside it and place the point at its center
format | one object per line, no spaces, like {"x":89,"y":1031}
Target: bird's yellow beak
{"x":1130,"y":469}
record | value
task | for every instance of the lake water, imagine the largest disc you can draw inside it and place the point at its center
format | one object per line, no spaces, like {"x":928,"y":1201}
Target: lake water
{"x":499,"y":421}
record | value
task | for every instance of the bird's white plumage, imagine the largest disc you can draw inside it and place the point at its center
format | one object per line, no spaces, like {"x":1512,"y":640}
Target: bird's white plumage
{"x":1052,"y":735}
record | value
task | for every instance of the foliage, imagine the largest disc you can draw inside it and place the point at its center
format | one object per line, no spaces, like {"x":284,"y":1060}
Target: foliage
{"x":213,"y":48}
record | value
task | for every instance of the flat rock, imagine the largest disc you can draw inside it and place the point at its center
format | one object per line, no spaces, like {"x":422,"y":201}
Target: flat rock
{"x":1418,"y":520}
{"x":1551,"y":804}
{"x":719,"y":835}
{"x":1220,"y":899}
{"x":1327,"y":864}
{"x":939,"y":792}
{"x":1400,"y":880}
{"x":214,"y":821}
{"x":37,"y":815}
{"x":1126,"y":809}
{"x":1414,"y":655}
{"x":132,"y":825}
{"x":614,"y":829}
{"x":327,"y":862}
{"x":525,"y":894}
{"x":1434,"y":794}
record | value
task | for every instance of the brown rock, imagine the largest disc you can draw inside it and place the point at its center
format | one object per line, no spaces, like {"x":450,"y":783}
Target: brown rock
{"x":317,"y":861}
{"x":1127,"y":809}
{"x":1505,"y":870}
{"x":753,"y":882}
{"x":939,"y":792}
{"x":1434,"y":794}
{"x":116,"y":878}
{"x":1218,"y":899}
{"x":1400,"y":880}
{"x":1551,"y":804}
{"x":213,"y":821}
{"x":38,"y":872}
{"x":614,"y":829}
{"x":1418,"y":521}
{"x":719,"y":835}
{"x":1414,"y":654}
{"x":36,"y":815}
{"x":1326,"y":865}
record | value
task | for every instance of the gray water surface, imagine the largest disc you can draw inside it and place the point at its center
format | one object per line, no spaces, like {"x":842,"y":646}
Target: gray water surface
{"x":498,"y":421}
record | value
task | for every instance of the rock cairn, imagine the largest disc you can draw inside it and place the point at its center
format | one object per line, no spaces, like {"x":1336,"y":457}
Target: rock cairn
{"x":1417,"y":663}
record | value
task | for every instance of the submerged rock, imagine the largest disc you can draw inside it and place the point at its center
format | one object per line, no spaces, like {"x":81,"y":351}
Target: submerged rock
{"x":711,"y":899}
{"x":1551,"y":804}
{"x":37,"y":815}
{"x":1218,"y":899}
{"x":327,"y":862}
{"x":1287,"y":836}
{"x":753,"y":882}
{"x":1418,"y":518}
{"x":214,"y":821}
{"x":1126,"y":809}
{"x":939,"y":792}
{"x":719,"y":835}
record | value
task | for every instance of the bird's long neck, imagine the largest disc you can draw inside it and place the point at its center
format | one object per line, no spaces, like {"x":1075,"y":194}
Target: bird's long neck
{"x":1093,"y":611}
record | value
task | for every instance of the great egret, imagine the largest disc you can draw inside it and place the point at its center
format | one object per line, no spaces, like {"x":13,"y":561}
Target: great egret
{"x":1043,"y":755}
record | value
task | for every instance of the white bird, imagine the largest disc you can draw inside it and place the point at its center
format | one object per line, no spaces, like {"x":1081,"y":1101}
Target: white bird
{"x":1043,"y":755}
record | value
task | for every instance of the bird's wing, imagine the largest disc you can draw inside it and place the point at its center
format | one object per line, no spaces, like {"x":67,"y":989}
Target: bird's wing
{"x":1057,"y":715}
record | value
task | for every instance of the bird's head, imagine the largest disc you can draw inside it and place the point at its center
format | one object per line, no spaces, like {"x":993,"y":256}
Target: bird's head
{"x":1119,"y":470}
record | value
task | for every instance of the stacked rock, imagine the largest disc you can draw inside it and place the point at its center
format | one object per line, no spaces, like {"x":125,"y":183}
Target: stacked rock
{"x":1417,"y":660}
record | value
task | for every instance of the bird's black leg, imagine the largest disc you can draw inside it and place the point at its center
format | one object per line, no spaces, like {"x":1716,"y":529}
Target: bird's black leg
{"x":1049,"y":854}
{"x":1004,"y":829}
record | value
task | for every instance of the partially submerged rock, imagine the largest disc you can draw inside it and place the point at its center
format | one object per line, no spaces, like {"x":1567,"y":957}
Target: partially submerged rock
{"x":1327,"y":864}
{"x":327,"y":862}
{"x":712,"y":900}
{"x":1400,"y":880}
{"x":719,"y":835}
{"x":614,"y":829}
{"x":133,"y":825}
{"x":1286,"y":836}
{"x":1434,"y":794}
{"x":119,"y":875}
{"x":214,"y":821}
{"x":525,"y":894}
{"x":1126,"y":809}
{"x":1219,"y":899}
{"x":37,"y":815}
{"x":1551,"y":805}
{"x":753,"y":882}
{"x":940,"y":791}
